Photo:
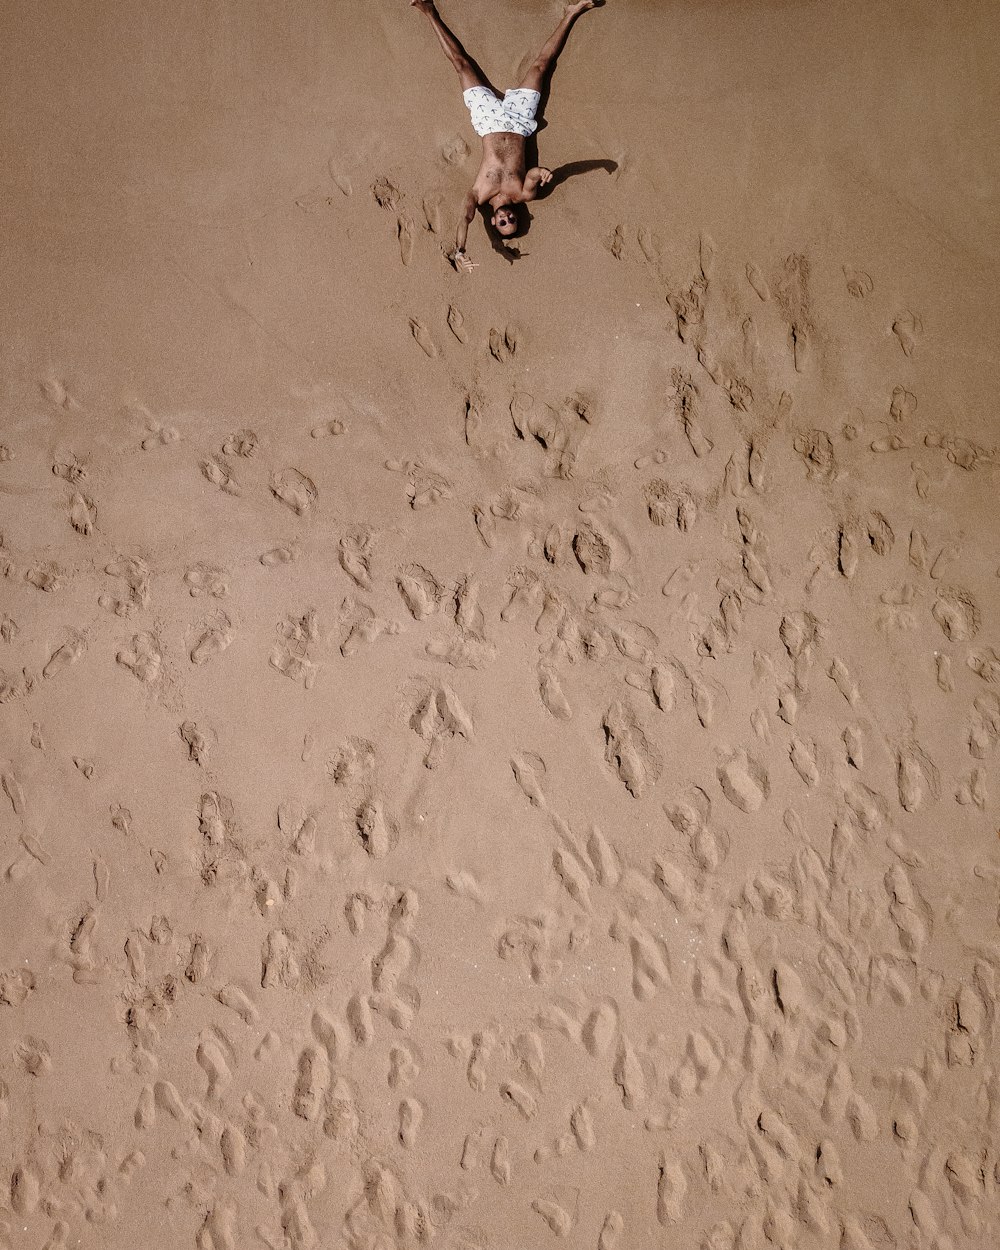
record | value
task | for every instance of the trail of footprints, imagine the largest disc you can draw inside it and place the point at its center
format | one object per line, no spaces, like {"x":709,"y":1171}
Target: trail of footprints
{"x":717,"y":1017}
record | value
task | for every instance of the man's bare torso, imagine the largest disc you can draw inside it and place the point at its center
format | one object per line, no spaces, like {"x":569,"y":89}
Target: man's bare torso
{"x":501,"y":173}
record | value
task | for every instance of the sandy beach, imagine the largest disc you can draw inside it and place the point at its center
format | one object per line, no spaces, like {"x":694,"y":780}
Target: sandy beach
{"x":506,"y":759}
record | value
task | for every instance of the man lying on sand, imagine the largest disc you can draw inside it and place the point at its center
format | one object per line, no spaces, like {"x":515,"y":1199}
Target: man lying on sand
{"x":503,"y":125}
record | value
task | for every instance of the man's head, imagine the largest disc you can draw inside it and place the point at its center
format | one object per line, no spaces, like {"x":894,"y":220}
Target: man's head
{"x":505,"y":221}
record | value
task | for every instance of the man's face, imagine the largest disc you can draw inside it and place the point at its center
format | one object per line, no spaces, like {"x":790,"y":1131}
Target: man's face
{"x":505,"y":221}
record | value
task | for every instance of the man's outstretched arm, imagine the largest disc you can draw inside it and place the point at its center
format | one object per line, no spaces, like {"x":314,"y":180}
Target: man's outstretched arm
{"x":462,"y":234}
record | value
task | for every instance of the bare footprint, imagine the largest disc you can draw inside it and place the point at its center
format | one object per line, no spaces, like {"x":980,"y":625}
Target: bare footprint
{"x":355,"y":558}
{"x":386,"y":194}
{"x":207,"y":579}
{"x":243,"y":443}
{"x":744,"y":782}
{"x":404,"y":232}
{"x":341,"y":180}
{"x":83,"y":514}
{"x":432,"y":213}
{"x":142,"y":657}
{"x":328,"y":429}
{"x":212,"y":640}
{"x":454,"y":150}
{"x":423,"y":339}
{"x":219,"y":475}
{"x":456,"y":324}
{"x":65,"y":656}
{"x":903,"y":403}
{"x":159,"y":435}
{"x":907,"y":328}
{"x":650,"y":244}
{"x":503,"y":344}
{"x":294,"y":490}
{"x":757,"y":280}
{"x":859,"y":283}
{"x":421,"y":591}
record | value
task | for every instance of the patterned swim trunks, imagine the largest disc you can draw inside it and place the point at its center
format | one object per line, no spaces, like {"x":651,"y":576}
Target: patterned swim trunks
{"x":514,"y":114}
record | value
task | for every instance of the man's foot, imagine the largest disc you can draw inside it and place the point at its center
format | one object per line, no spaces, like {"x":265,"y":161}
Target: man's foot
{"x":579,"y":6}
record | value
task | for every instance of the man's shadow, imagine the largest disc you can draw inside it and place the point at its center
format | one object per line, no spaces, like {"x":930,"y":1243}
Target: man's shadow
{"x":570,"y":170}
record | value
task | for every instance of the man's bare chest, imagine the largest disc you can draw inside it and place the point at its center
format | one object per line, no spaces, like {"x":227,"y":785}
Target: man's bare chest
{"x":495,"y":178}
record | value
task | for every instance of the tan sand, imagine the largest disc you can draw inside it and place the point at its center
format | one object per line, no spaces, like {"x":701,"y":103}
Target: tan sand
{"x":521,"y":780}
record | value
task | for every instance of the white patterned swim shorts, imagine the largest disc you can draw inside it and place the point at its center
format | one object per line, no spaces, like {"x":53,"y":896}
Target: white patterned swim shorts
{"x":514,"y":114}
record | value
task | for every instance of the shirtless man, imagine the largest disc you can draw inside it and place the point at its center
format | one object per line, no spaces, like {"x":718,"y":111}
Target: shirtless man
{"x":503,"y":126}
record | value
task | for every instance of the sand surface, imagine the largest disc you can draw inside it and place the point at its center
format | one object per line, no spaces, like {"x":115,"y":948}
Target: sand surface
{"x":510,"y":760}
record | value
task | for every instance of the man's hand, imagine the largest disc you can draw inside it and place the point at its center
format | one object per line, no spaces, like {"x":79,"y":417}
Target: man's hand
{"x":535,"y":178}
{"x":461,"y":262}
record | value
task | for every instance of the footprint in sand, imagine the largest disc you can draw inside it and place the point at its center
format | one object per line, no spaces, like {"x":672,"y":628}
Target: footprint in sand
{"x":438,"y":718}
{"x":957,"y":613}
{"x":423,"y":338}
{"x":757,"y":280}
{"x":627,"y":749}
{"x":688,"y":306}
{"x":650,"y":244}
{"x":903,"y":403}
{"x":142,"y":657}
{"x":615,"y":242}
{"x":454,"y":150}
{"x":212,"y":640}
{"x":341,"y":180}
{"x":503,"y":344}
{"x":816,"y":449}
{"x":83,"y":514}
{"x":404,"y":232}
{"x":377,"y":832}
{"x":551,"y":691}
{"x":294,"y":490}
{"x":71,"y":470}
{"x":421,"y":591}
{"x":219,"y":475}
{"x":456,"y":324}
{"x":57,"y":393}
{"x":592,"y":550}
{"x":159,"y":435}
{"x":328,"y":429}
{"x":859,"y":283}
{"x":355,"y":557}
{"x":744,"y":782}
{"x":432,"y":213}
{"x":472,"y":421}
{"x":243,"y":443}
{"x":280,"y":555}
{"x":386,"y":194}
{"x":65,"y":656}
{"x":207,"y":579}
{"x":907,"y":328}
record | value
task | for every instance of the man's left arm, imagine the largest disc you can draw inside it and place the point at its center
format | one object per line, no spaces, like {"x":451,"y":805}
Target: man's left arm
{"x":533,"y":179}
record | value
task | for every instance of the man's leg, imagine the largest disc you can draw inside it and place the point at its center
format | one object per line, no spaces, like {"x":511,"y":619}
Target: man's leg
{"x":453,"y":50}
{"x":542,"y":63}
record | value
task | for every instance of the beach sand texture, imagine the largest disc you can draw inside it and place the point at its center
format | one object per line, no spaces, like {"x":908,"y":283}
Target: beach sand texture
{"x":503,"y":760}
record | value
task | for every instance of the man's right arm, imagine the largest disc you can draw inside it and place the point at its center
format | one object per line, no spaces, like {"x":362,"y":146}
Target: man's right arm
{"x":462,"y":234}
